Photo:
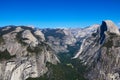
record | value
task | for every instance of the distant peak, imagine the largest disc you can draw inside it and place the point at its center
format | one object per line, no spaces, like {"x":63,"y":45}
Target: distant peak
{"x":110,"y":26}
{"x":107,"y":26}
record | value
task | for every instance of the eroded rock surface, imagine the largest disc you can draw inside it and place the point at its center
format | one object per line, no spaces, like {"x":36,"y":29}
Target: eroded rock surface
{"x":23,"y":54}
{"x":101,"y":53}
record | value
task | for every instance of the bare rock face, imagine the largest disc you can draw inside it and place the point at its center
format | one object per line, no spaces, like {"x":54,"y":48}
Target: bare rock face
{"x":61,"y":40}
{"x":24,"y":51}
{"x":106,"y":66}
{"x":84,"y":32}
{"x":101,"y":53}
{"x":99,"y":36}
{"x":29,"y":38}
{"x":90,"y":35}
{"x":39,"y":34}
{"x":22,"y":54}
{"x":110,"y":26}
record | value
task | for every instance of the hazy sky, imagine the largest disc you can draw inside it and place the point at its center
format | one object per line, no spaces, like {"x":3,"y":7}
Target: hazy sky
{"x":58,"y":13}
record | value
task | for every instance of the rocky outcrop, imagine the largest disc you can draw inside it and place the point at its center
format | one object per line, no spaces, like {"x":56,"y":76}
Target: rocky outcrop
{"x":107,"y":26}
{"x":62,"y":39}
{"x":40,"y":35}
{"x":110,"y":27}
{"x":108,"y":64}
{"x":29,"y":38}
{"x":100,"y":52}
{"x":84,"y":32}
{"x":89,"y":38}
{"x":24,"y":53}
{"x":59,"y":39}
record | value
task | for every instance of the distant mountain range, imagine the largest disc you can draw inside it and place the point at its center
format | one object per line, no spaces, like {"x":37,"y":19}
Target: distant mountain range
{"x":90,"y":53}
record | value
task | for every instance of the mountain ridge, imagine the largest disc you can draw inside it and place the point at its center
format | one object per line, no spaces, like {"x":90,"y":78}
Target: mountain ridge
{"x":100,"y":52}
{"x":23,"y":54}
{"x":41,"y":54}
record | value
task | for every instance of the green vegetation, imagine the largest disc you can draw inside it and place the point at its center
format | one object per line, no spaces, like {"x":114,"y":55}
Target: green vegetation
{"x":73,"y":49}
{"x":68,"y":69}
{"x":36,"y":50}
{"x":56,"y":33}
{"x":40,"y":47}
{"x":19,"y":35}
{"x":1,"y":39}
{"x":62,"y":72}
{"x":108,"y":44}
{"x":5,"y":32}
{"x":5,"y":55}
{"x":12,"y":28}
{"x":109,"y":40}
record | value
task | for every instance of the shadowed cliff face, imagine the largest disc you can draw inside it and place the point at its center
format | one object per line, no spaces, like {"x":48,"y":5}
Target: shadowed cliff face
{"x":28,"y":53}
{"x":103,"y":28}
{"x":65,"y":40}
{"x":108,"y":26}
{"x":25,"y":52}
{"x":101,"y":53}
{"x":108,"y":65}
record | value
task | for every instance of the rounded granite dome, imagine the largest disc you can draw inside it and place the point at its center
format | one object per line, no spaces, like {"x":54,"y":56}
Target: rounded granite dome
{"x":110,"y":26}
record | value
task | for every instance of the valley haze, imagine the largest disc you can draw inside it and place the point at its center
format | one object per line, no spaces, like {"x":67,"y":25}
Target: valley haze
{"x":29,"y":53}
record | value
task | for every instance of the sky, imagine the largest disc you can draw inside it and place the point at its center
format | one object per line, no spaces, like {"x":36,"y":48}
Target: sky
{"x":58,"y":13}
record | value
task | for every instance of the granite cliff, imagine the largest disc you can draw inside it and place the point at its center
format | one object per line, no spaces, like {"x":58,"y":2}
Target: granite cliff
{"x":100,"y":52}
{"x":23,"y":53}
{"x":90,"y":53}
